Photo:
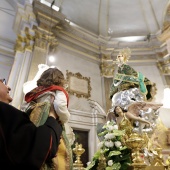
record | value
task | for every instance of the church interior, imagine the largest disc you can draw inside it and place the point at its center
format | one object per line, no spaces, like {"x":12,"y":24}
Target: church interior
{"x":83,"y":40}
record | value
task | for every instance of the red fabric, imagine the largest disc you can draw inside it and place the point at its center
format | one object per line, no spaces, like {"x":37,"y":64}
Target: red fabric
{"x":33,"y":94}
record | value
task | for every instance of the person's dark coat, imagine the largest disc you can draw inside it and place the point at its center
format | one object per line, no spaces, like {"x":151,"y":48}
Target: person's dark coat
{"x":22,"y":144}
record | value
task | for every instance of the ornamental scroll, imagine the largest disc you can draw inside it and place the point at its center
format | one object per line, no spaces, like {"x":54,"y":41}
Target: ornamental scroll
{"x":78,"y":85}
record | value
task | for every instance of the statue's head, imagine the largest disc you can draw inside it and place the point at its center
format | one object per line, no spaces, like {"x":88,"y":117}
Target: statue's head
{"x":124,"y":55}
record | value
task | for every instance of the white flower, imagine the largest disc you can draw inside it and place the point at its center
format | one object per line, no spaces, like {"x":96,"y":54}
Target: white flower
{"x":118,"y":144}
{"x":110,"y":162}
{"x":109,"y":136}
{"x":110,"y":128}
{"x":115,"y":127}
{"x":109,"y":144}
{"x":88,"y":163}
{"x":108,"y":122}
{"x":100,"y":144}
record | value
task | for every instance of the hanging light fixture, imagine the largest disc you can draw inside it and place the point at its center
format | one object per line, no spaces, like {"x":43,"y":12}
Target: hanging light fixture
{"x":51,"y":40}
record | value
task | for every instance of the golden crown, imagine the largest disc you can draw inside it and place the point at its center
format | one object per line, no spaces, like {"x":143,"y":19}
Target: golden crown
{"x":126,"y":52}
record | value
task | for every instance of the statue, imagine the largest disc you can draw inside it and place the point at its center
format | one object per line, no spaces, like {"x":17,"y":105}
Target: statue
{"x":135,"y":116}
{"x":126,"y":77}
{"x":131,"y":94}
{"x":132,"y":91}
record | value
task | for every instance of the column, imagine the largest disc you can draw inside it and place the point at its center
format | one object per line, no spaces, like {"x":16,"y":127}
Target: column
{"x":24,"y":22}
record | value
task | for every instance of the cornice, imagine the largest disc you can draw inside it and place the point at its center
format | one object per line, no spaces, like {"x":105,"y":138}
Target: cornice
{"x":77,"y":43}
{"x":24,"y":18}
{"x":39,"y":7}
{"x":7,"y":43}
{"x":79,"y":53}
{"x":7,"y":47}
{"x":82,"y":38}
{"x":53,"y":27}
{"x":165,"y":35}
{"x":46,"y":22}
{"x":7,"y":53}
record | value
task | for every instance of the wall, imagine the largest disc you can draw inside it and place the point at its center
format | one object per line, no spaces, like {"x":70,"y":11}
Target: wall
{"x":5,"y":66}
{"x":151,"y":71}
{"x":74,"y":63}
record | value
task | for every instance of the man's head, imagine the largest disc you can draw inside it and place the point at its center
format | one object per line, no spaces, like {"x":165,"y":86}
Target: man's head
{"x":4,"y":92}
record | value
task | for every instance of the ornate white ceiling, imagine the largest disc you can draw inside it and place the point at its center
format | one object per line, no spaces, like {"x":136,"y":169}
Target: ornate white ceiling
{"x":111,"y":20}
{"x":115,"y":18}
{"x":107,"y":18}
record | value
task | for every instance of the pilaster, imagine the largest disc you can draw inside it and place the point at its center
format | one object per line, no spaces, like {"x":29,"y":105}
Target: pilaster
{"x":23,"y":27}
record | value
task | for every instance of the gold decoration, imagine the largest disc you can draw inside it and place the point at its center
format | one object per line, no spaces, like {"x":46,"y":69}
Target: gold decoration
{"x":164,"y":66}
{"x":136,"y":142}
{"x":166,"y":27}
{"x":46,"y":22}
{"x":102,"y":163}
{"x":158,"y":158}
{"x":20,"y":42}
{"x":78,"y":151}
{"x":44,"y":39}
{"x":126,"y":53}
{"x":25,"y":40}
{"x":107,"y":68}
{"x":78,"y":85}
{"x":165,"y":32}
{"x":168,"y":136}
{"x":168,"y":162}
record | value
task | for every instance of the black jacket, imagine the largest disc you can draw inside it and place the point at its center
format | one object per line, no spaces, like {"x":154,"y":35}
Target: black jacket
{"x":22,"y":144}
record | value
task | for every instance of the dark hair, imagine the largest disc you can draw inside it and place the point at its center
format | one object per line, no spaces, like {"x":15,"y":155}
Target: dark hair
{"x":115,"y":111}
{"x":51,"y":76}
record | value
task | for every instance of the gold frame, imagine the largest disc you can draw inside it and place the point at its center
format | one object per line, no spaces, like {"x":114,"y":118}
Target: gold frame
{"x":75,"y":89}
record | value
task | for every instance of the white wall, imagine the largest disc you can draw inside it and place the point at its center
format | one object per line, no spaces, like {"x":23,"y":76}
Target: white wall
{"x":7,"y":38}
{"x":5,"y":66}
{"x":72,"y":63}
{"x":6,"y":20}
{"x":152,"y":73}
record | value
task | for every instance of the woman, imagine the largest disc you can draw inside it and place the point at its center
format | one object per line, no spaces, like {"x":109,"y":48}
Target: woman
{"x":50,"y":89}
{"x":126,"y":77}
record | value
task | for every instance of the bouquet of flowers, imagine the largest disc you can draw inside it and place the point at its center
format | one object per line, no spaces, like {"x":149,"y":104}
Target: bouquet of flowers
{"x":112,"y":153}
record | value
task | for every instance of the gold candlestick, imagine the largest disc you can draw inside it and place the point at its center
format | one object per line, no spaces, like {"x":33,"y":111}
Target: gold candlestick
{"x":78,"y":151}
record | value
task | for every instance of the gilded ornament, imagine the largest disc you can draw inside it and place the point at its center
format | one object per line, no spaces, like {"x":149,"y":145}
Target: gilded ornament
{"x":78,"y":151}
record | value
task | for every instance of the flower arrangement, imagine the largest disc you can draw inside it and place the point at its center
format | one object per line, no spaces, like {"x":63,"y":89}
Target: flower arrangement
{"x":112,"y":154}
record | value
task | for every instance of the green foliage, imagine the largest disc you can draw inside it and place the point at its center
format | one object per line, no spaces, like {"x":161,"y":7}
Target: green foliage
{"x":116,"y":155}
